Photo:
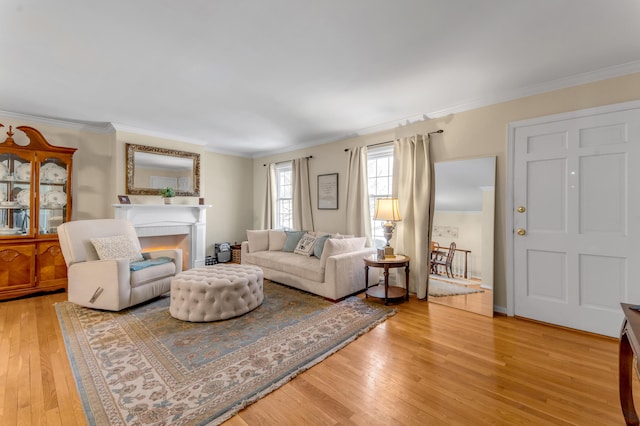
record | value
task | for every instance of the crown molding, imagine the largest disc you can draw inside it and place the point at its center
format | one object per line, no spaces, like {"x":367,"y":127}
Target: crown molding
{"x":537,"y":89}
{"x":523,"y":92}
{"x":163,"y":135}
{"x":91,"y":126}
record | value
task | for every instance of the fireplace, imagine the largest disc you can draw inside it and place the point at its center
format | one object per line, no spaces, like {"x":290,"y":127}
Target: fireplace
{"x":169,"y":226}
{"x":161,"y":242}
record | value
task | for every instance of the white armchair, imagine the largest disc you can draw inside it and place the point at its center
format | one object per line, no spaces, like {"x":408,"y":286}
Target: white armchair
{"x":110,"y":284}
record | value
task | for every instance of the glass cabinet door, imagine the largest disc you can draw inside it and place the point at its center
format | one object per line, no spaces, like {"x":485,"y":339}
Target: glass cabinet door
{"x":53,"y":195}
{"x":15,"y":195}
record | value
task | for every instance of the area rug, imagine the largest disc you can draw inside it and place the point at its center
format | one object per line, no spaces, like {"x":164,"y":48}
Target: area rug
{"x":455,"y":280}
{"x":440,"y":289}
{"x":141,"y":366}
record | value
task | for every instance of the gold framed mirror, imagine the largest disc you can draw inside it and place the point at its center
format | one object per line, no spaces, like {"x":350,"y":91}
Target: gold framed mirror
{"x":149,"y":169}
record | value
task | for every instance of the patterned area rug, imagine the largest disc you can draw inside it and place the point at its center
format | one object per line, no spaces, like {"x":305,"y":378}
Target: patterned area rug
{"x":440,"y":289}
{"x":141,"y":366}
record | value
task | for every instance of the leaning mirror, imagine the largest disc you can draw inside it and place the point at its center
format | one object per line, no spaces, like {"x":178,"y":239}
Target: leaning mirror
{"x":149,"y":169}
{"x":464,"y":215}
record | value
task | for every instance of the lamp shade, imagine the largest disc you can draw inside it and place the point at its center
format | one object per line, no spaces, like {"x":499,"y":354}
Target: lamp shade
{"x":387,"y":209}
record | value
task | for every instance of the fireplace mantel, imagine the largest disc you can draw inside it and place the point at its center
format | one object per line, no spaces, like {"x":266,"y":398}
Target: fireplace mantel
{"x":169,"y":219}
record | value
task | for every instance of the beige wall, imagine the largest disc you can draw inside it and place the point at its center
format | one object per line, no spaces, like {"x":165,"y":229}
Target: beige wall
{"x":229,"y":191}
{"x":476,"y":133}
{"x":225,"y":183}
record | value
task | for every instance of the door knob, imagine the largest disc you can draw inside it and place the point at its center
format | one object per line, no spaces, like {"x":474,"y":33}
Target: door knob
{"x":521,"y":231}
{"x":521,"y":209}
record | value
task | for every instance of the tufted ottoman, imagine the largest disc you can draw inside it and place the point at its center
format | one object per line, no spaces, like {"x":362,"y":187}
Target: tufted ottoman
{"x":216,"y":292}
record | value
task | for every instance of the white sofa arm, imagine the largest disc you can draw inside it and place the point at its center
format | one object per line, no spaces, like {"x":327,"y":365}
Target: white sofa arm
{"x":346,"y":271}
{"x":244,"y":249}
{"x":175,"y":254}
{"x":113,"y":276}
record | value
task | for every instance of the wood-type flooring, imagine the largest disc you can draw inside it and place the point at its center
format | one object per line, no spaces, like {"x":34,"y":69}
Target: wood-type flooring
{"x":427,"y":365}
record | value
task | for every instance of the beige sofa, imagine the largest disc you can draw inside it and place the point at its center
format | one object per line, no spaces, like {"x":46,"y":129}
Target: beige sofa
{"x":334,"y":270}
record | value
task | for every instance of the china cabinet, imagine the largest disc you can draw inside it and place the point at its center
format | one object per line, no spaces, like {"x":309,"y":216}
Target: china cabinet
{"x":35,"y":197}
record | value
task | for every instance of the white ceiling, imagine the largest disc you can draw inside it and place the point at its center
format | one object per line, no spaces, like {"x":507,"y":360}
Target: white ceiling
{"x":255,"y":76}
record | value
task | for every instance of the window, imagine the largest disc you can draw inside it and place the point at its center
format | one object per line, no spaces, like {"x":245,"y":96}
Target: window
{"x":284,"y":193}
{"x":379,"y":174}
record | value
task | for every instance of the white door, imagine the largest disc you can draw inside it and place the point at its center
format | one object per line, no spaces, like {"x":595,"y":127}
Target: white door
{"x":576,"y":202}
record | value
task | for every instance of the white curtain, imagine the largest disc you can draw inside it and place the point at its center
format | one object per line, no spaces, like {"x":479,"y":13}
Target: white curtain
{"x":268,"y":220}
{"x":357,"y":210}
{"x":301,"y":197}
{"x":414,"y":184}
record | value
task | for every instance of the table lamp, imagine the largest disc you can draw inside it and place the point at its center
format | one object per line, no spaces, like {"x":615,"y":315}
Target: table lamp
{"x":387,"y":210}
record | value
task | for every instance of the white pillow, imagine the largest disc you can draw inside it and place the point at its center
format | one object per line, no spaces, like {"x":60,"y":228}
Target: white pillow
{"x":342,"y":237}
{"x":335,"y":246}
{"x":258,"y":240}
{"x":117,"y":247}
{"x":277,"y":240}
{"x":306,"y":245}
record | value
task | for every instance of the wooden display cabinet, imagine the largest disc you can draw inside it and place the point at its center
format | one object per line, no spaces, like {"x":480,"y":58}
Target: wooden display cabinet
{"x":35,"y":197}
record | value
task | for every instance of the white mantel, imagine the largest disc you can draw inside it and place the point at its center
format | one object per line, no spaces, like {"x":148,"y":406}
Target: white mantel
{"x":151,"y":220}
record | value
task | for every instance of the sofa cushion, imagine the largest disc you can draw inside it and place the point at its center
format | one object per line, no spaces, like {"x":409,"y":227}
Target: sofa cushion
{"x":335,"y":246}
{"x":305,"y":245}
{"x":318,"y":247}
{"x":307,"y":267}
{"x":342,"y":237}
{"x":117,"y":247}
{"x":277,"y":240}
{"x":152,"y":273}
{"x":293,"y":237}
{"x":258,"y":240}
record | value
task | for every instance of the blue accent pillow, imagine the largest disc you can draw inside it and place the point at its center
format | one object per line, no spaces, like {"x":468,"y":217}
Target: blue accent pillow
{"x":317,"y":249}
{"x":293,"y":238}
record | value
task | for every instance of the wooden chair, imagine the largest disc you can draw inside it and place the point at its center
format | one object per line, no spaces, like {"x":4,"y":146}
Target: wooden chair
{"x":444,"y":261}
{"x":435,"y":254}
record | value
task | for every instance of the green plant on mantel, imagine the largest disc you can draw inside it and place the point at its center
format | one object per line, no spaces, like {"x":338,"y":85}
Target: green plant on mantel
{"x":167,"y":192}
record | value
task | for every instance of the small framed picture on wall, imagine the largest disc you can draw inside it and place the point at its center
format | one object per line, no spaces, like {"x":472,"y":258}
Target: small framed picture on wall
{"x":328,"y":192}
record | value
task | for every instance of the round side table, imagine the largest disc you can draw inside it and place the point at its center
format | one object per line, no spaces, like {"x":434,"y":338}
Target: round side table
{"x":386,"y":292}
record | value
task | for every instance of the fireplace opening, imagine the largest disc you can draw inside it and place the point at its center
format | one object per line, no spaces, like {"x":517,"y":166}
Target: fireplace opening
{"x":161,"y":242}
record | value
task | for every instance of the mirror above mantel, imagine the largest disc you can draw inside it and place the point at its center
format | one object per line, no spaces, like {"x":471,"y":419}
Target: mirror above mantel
{"x":149,"y":169}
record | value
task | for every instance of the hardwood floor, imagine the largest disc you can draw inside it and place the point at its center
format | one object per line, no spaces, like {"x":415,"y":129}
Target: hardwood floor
{"x":428,"y":364}
{"x":479,"y":303}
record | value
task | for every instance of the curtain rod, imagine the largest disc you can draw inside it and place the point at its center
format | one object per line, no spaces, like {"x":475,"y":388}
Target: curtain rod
{"x":383,"y":143}
{"x":286,"y":161}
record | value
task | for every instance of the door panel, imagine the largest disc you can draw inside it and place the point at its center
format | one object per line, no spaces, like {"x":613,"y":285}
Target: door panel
{"x":546,"y":276}
{"x":581,"y":222}
{"x":602,"y":281}
{"x":546,"y":187}
{"x":603,"y":184}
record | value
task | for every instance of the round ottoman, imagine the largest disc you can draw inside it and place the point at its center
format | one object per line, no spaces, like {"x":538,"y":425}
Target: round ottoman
{"x":216,"y":292}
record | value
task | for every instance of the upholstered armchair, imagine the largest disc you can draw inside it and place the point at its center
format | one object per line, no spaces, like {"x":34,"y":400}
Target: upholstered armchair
{"x":105,"y":266}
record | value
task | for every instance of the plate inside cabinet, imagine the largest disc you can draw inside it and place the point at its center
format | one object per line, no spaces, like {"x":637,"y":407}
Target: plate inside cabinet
{"x":23,"y":171}
{"x":23,"y":197}
{"x":55,"y":198}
